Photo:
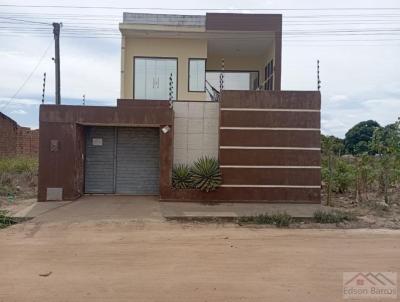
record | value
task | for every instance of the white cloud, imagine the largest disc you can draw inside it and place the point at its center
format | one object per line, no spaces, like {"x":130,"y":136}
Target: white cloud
{"x":18,"y":102}
{"x":19,"y":111}
{"x":338,"y":98}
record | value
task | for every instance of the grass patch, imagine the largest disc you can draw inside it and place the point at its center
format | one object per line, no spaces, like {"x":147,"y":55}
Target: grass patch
{"x":6,"y":221}
{"x":18,"y":165}
{"x":334,"y":216}
{"x":278,"y":219}
{"x":16,"y":174}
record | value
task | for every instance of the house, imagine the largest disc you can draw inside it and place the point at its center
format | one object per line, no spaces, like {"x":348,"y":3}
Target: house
{"x":190,"y":86}
{"x":16,"y":140}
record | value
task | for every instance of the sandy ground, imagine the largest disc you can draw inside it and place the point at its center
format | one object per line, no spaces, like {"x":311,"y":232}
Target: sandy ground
{"x":166,"y":261}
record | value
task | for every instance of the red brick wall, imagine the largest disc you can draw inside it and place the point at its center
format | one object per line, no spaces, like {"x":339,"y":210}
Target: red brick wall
{"x":16,"y":140}
{"x":27,"y":141}
{"x":8,"y":136}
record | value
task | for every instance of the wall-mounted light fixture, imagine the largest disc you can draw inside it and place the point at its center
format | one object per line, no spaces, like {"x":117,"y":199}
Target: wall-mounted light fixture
{"x":165,"y":129}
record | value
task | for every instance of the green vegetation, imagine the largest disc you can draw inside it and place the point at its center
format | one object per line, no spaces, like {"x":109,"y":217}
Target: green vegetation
{"x":204,"y":175}
{"x":14,"y":171}
{"x":279,"y":219}
{"x":333,"y":216}
{"x":6,"y":221}
{"x":367,"y":160}
{"x":358,"y":138}
{"x":18,"y":165}
{"x":181,"y":177}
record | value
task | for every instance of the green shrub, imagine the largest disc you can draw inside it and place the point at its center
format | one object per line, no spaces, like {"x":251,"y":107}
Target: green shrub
{"x":335,"y":216}
{"x":5,"y":220}
{"x":206,"y":174}
{"x":343,"y":174}
{"x":278,"y":219}
{"x":181,"y":177}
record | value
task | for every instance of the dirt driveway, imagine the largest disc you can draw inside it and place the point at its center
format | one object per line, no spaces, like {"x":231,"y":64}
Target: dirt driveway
{"x":140,"y":261}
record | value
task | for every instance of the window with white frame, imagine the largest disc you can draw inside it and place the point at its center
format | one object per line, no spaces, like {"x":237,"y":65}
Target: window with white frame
{"x":197,"y":75}
{"x":152,"y":77}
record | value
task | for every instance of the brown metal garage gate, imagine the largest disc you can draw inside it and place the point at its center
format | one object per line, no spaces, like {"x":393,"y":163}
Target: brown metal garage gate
{"x":122,"y":160}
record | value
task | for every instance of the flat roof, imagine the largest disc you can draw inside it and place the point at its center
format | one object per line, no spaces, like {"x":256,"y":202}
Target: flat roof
{"x":164,"y":19}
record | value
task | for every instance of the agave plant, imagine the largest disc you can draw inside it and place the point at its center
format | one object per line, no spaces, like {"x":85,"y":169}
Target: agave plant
{"x":206,"y":175}
{"x":181,"y":177}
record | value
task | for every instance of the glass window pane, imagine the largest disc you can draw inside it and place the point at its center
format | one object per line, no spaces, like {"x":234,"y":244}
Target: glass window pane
{"x":197,"y":69}
{"x":239,"y":80}
{"x":152,"y":77}
{"x":234,"y":80}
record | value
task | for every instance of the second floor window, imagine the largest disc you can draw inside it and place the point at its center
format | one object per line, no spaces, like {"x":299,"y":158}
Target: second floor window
{"x":197,"y":75}
{"x":152,"y":78}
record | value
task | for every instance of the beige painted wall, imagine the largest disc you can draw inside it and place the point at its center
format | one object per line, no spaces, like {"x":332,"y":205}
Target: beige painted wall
{"x":183,"y":49}
{"x":195,"y":131}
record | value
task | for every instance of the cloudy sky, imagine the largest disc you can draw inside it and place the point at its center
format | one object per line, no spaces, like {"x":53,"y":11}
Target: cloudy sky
{"x":358,"y":49}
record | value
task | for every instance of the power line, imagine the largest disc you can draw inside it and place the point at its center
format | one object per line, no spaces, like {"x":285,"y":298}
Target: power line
{"x":25,"y":21}
{"x":118,"y":16}
{"x":204,"y":9}
{"x":74,"y":31}
{"x":28,"y":78}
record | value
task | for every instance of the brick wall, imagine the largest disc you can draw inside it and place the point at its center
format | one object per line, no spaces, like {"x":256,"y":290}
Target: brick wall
{"x":8,"y":136}
{"x":27,"y":141}
{"x":16,"y":140}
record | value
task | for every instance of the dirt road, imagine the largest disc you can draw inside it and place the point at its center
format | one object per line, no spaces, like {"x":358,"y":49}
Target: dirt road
{"x":131,"y":261}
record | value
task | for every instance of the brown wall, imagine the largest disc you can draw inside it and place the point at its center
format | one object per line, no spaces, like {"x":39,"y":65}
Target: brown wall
{"x":268,"y":163}
{"x":251,"y":179}
{"x":16,"y":140}
{"x":66,"y":124}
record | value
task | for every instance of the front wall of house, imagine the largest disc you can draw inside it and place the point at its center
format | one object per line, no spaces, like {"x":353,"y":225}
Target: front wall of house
{"x":195,"y":131}
{"x":62,"y":142}
{"x":182,"y":49}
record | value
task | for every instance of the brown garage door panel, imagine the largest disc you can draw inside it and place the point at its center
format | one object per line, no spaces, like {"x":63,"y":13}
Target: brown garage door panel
{"x":270,"y":157}
{"x":261,"y":138}
{"x":270,"y":119}
{"x":296,"y":177}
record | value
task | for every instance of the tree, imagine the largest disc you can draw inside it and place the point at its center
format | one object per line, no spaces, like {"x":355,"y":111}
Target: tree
{"x":358,"y":139}
{"x":332,"y":144}
{"x":386,"y":143}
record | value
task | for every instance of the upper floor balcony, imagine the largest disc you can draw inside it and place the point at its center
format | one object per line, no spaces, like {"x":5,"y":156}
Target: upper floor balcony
{"x":194,"y":57}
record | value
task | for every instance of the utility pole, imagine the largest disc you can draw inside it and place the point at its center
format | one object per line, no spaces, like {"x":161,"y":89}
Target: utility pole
{"x":44,"y":87}
{"x":56,"y":32}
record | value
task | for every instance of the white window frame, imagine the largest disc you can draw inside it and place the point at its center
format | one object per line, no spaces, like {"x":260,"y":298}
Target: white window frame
{"x":189,"y":74}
